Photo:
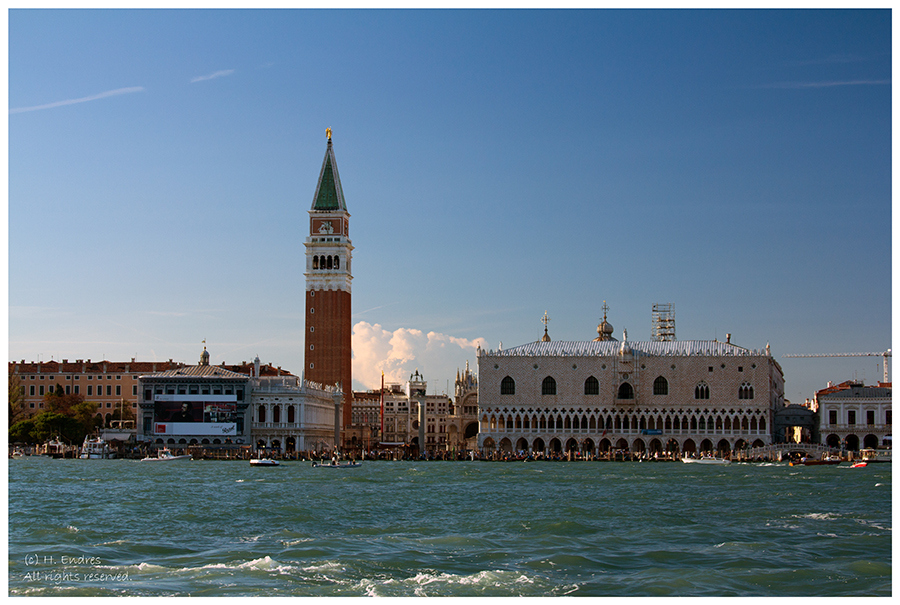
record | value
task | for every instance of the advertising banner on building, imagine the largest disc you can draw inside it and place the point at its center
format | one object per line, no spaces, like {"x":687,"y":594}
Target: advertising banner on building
{"x":195,"y":418}
{"x":195,"y":428}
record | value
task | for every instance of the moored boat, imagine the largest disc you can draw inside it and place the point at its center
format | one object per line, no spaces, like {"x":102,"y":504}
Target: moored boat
{"x":95,"y":448}
{"x":165,"y":455}
{"x":705,"y":460}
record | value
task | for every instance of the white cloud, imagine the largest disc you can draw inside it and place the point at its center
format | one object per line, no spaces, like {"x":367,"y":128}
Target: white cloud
{"x":401,"y":352}
{"x":214,"y":75}
{"x":102,"y":95}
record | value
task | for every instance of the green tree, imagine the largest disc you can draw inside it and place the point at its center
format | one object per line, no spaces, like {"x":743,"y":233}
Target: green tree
{"x":21,"y":431}
{"x":16,"y":394}
{"x":85,"y":413}
{"x":52,"y":424}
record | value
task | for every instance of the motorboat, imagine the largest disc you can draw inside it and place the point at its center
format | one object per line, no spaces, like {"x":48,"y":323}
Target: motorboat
{"x":813,"y":462}
{"x":336,"y":464}
{"x":96,"y":448}
{"x":18,"y":453}
{"x":165,"y":455}
{"x":263,"y":462}
{"x":859,"y":465}
{"x":705,"y":460}
{"x":55,"y":448}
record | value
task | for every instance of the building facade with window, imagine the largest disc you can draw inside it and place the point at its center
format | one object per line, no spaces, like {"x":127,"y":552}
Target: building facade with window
{"x":199,"y":405}
{"x":450,"y":427}
{"x":291,"y":415}
{"x":854,"y":416}
{"x":642,"y":397}
{"x":110,"y":384}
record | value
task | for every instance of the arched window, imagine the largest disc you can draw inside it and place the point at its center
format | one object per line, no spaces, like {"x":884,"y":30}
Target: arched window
{"x":746,"y":391}
{"x":262,"y":413}
{"x":548,"y":387}
{"x":329,"y":262}
{"x":626,"y":391}
{"x":508,"y":386}
{"x":660,"y":386}
{"x":591,"y":386}
{"x":315,"y":262}
{"x":337,"y":262}
{"x":701,"y":391}
{"x":276,"y":414}
{"x":290,"y":414}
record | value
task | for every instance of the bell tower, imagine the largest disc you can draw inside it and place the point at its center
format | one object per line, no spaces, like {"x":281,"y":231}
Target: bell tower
{"x":327,"y":355}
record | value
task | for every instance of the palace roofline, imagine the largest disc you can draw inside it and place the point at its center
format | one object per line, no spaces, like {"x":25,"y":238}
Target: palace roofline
{"x":677,"y":348}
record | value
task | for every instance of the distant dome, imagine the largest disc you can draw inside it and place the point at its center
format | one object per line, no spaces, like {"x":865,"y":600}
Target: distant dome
{"x":204,"y":357}
{"x":604,"y":328}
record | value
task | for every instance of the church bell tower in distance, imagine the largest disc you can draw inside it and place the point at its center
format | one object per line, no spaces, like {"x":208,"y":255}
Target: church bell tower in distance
{"x":327,"y":355}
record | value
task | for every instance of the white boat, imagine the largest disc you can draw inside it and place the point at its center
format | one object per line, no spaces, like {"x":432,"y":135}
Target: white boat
{"x":17,"y":453}
{"x":263,"y":462}
{"x":705,"y":460}
{"x":164,"y":455}
{"x":55,"y":448}
{"x":95,"y":448}
{"x":875,"y":455}
{"x":334,"y":464}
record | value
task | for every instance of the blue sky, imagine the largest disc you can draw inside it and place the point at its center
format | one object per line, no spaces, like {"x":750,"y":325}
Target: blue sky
{"x":496,"y":164}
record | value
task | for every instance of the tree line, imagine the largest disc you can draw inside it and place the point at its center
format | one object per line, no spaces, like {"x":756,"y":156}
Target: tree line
{"x":68,"y":416}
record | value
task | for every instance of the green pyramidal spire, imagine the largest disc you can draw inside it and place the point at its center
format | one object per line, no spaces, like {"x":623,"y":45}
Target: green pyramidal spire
{"x":329,"y":195}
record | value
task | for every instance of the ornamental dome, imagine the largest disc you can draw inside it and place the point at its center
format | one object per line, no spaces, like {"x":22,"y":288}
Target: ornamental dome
{"x":604,"y":328}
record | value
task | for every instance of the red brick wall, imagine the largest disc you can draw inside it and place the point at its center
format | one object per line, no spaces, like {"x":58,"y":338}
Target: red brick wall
{"x":327,"y":356}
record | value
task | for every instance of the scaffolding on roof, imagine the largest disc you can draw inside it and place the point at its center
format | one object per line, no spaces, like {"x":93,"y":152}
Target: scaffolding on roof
{"x":664,"y":322}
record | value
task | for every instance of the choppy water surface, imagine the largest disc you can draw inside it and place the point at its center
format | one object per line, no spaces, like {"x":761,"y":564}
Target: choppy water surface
{"x":216,"y":528}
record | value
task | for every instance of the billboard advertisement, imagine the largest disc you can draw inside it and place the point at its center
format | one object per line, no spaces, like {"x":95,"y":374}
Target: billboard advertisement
{"x":195,"y":418}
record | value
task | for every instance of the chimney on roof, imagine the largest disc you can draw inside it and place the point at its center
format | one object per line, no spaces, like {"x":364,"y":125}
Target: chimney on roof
{"x":65,"y":361}
{"x":728,"y":337}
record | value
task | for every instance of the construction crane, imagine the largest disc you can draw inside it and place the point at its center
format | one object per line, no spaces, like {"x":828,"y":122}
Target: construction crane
{"x":885,"y":355}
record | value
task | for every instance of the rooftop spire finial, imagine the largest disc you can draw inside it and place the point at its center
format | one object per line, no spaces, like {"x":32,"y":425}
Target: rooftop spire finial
{"x":545,"y":320}
{"x":328,"y":133}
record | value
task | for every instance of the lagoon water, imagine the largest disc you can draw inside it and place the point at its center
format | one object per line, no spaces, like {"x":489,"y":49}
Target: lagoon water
{"x":222,"y":528}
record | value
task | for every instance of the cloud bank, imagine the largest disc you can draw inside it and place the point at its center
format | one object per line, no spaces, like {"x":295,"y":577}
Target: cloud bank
{"x":405,"y":350}
{"x":102,"y":95}
{"x":214,"y":75}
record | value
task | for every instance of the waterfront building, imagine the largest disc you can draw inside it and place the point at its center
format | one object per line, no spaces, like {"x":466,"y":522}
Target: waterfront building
{"x":113,"y":385}
{"x":199,"y":405}
{"x":648,"y":397}
{"x":854,"y":416}
{"x":449,"y":427}
{"x":327,"y":350}
{"x":292,"y":415}
{"x":245,"y":406}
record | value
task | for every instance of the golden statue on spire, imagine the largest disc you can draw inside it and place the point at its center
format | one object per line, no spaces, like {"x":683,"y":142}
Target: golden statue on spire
{"x":328,"y":133}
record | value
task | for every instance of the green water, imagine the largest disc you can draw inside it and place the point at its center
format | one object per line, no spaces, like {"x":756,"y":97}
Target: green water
{"x":208,"y":528}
